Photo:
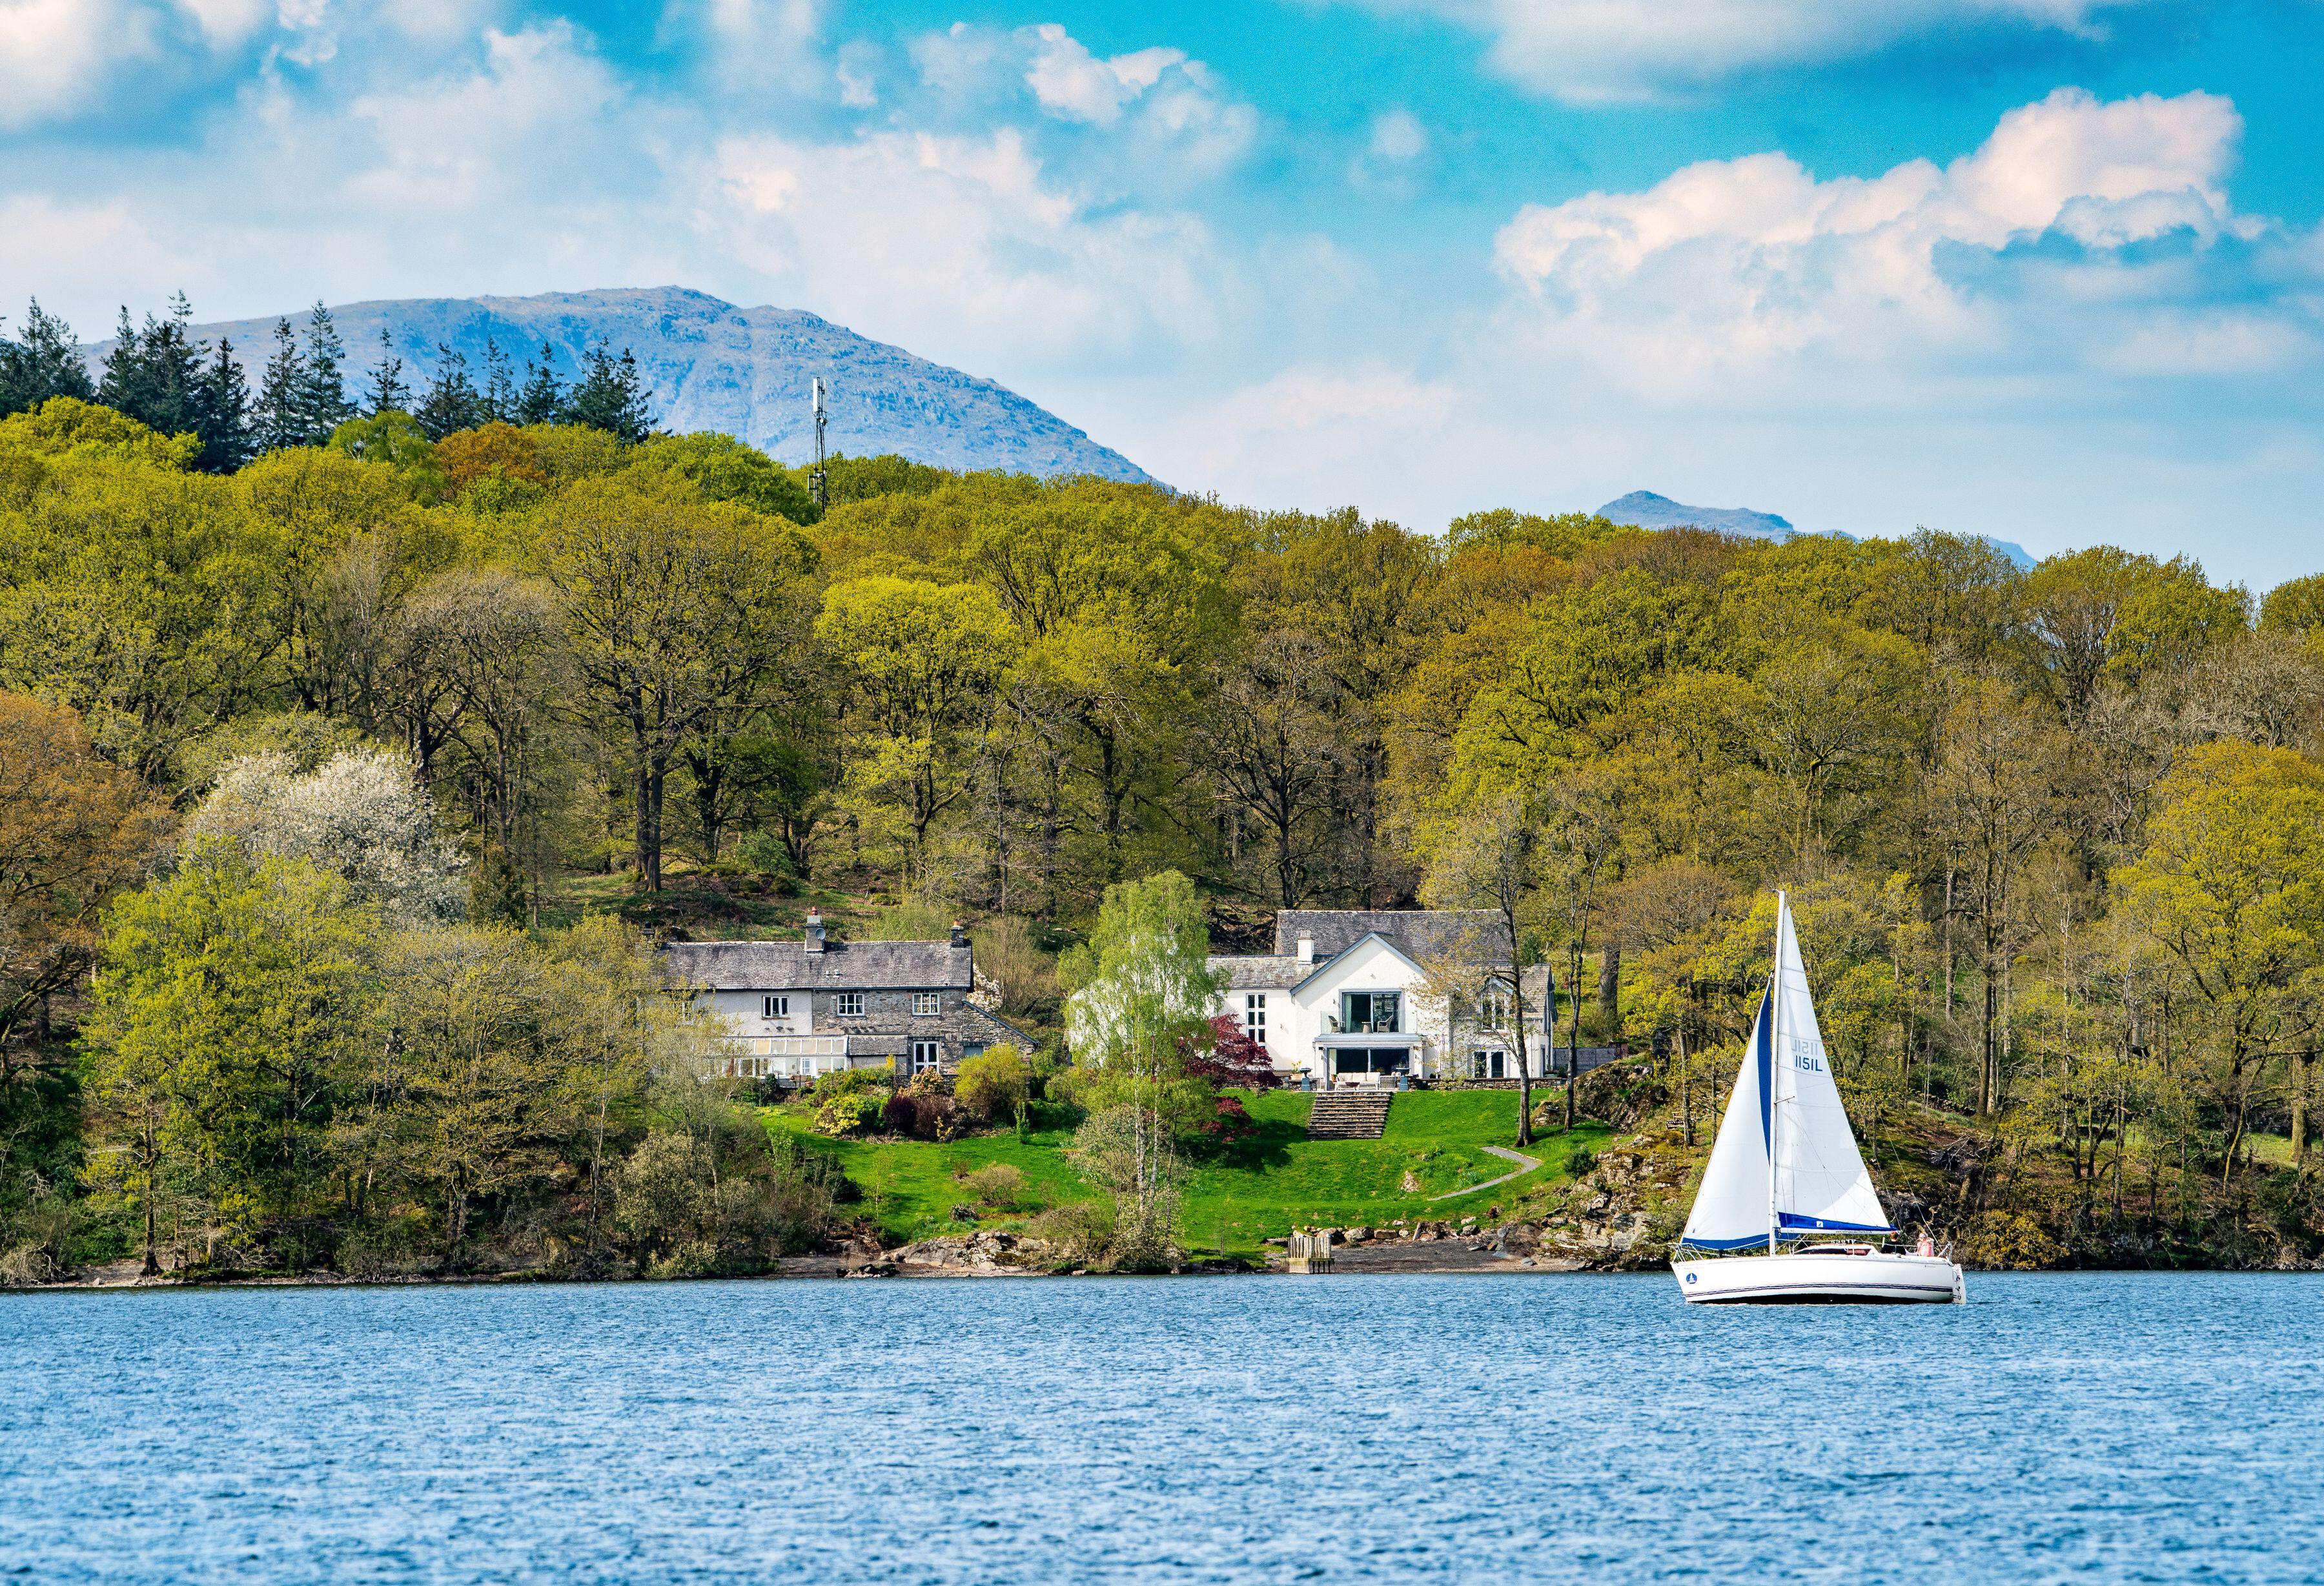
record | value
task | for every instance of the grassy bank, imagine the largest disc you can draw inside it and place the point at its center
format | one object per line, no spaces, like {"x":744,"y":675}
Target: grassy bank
{"x":1249,"y":1191}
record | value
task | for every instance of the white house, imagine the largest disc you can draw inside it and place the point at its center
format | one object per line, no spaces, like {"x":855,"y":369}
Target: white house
{"x":1357,"y":997}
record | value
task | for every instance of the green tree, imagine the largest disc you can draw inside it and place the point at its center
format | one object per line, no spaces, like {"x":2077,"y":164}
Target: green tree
{"x":42,"y":361}
{"x":1142,"y":993}
{"x":611,"y":395}
{"x":721,"y":469}
{"x":924,"y":662}
{"x":2231,"y":886}
{"x":678,"y":613}
{"x":229,"y":1001}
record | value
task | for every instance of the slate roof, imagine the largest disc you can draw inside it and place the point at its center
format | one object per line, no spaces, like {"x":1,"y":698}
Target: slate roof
{"x":1261,"y":973}
{"x":841,"y":966}
{"x":1422,"y":933}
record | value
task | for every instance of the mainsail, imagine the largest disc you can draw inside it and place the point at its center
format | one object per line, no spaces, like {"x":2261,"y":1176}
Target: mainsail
{"x":1785,"y":1161}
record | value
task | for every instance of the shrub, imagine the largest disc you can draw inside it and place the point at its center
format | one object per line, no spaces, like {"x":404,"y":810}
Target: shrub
{"x":1580,"y":1162}
{"x":848,"y":1112}
{"x":1078,"y":1231}
{"x":1232,"y":1122}
{"x":994,"y":1084}
{"x":793,"y":1161}
{"x":1227,"y":1056}
{"x":997,"y":1184}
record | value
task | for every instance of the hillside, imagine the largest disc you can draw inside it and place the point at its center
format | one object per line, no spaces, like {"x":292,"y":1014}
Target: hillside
{"x":1645,"y":510}
{"x":713,"y":365}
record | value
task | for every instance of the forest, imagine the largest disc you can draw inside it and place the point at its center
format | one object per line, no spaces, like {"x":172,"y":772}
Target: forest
{"x":353,"y":748}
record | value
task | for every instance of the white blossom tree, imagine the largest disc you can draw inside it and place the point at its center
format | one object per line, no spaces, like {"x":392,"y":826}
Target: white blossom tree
{"x":362,"y":815}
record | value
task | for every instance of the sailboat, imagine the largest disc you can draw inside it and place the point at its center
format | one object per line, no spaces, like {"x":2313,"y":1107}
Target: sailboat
{"x":1787,"y":1213}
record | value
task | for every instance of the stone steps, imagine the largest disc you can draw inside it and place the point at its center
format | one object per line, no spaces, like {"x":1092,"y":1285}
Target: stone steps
{"x":1349,"y":1115}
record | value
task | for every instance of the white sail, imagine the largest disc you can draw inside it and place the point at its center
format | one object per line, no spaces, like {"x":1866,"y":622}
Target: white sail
{"x":1730,"y":1209}
{"x":1820,"y":1181}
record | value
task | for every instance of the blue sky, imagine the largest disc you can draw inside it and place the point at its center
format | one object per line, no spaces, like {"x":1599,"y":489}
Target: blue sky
{"x":2051,"y":270}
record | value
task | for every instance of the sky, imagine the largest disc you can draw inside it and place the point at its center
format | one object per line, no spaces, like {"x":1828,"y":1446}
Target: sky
{"x":2048,"y":270}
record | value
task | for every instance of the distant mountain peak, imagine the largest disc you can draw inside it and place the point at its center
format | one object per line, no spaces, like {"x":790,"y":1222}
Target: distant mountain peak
{"x":713,"y":366}
{"x":1644,"y":509}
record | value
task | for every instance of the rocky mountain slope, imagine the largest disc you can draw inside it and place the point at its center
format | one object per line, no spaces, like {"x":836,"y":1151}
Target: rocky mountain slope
{"x":715,"y":366}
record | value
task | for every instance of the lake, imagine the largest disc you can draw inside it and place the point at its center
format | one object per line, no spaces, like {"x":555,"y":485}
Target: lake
{"x":2115,"y":1427}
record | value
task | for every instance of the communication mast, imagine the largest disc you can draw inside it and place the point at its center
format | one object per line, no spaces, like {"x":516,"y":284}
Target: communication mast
{"x":818,"y":485}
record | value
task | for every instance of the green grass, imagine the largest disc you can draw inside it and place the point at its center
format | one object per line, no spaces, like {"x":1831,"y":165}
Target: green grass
{"x":1255,"y":1190}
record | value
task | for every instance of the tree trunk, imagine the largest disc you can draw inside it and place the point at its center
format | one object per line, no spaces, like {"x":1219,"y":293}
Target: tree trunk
{"x":1573,"y":1037}
{"x":152,"y":1266}
{"x":2300,"y":1064}
{"x":1685,"y":1089}
{"x":1609,"y":987}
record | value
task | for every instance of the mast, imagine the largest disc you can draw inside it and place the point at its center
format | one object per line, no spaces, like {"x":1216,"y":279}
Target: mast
{"x":1774,"y":1055}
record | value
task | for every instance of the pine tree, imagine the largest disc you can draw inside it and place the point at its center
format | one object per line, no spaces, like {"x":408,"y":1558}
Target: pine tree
{"x":389,"y":393}
{"x":542,"y":401}
{"x":451,"y":402}
{"x":499,"y":404}
{"x":279,"y":421}
{"x":611,"y":396}
{"x":322,"y":394}
{"x":151,"y":375}
{"x":45,"y":362}
{"x":222,"y":411}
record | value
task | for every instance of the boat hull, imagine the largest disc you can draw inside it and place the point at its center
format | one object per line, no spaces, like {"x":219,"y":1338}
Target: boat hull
{"x":1806,"y":1279}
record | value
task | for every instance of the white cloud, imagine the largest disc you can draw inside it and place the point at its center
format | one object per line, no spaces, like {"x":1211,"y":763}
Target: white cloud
{"x":53,"y":53}
{"x":1590,"y":51}
{"x":964,"y":244}
{"x":1736,"y":262}
{"x":1281,"y":440}
{"x":1071,"y":82}
{"x":1399,"y":136}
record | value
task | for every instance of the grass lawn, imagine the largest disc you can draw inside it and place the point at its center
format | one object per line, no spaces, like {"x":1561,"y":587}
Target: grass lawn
{"x":1257,"y":1189}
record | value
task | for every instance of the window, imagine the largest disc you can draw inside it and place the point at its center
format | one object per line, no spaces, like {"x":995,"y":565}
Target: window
{"x":926,"y":1002}
{"x":1493,"y":1013}
{"x":1254,"y":1016}
{"x":1486,"y":1064}
{"x":925,"y":1055}
{"x":847,"y":1004}
{"x":774,"y":1007}
{"x":1369,"y":1013}
{"x":1376,"y":1060}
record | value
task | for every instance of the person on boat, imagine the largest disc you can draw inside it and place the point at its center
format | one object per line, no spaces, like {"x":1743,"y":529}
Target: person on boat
{"x":1927,"y":1246}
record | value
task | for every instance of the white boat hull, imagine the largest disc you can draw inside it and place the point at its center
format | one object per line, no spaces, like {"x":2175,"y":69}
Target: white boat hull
{"x":1810,"y":1277}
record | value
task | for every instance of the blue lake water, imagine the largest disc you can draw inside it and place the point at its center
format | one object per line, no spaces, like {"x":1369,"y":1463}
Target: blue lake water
{"x":2113,"y":1427}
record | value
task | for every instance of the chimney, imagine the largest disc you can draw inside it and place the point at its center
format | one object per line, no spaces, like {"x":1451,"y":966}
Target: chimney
{"x":959,"y":934}
{"x":1307,"y":948}
{"x":815,"y":932}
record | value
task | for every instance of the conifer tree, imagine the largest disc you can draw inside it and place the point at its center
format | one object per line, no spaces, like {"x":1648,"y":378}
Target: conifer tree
{"x":499,"y":399}
{"x":542,"y":401}
{"x":389,"y":393}
{"x":151,"y":375}
{"x":611,"y":396}
{"x":44,"y":361}
{"x":279,"y":423}
{"x":222,"y":411}
{"x":452,"y":402}
{"x":322,"y":394}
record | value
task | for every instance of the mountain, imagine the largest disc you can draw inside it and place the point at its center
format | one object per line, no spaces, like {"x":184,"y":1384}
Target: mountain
{"x":1645,"y":510}
{"x":714,"y":366}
